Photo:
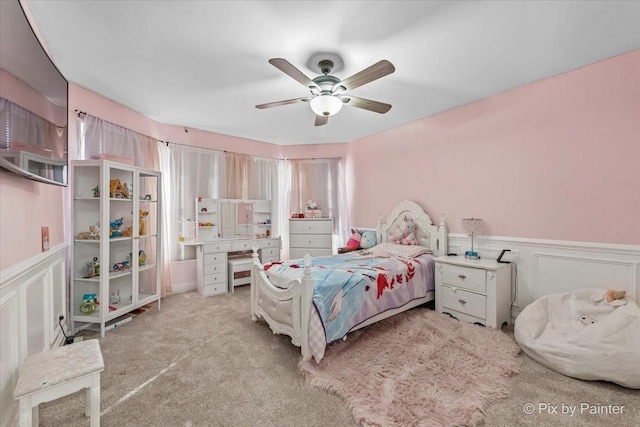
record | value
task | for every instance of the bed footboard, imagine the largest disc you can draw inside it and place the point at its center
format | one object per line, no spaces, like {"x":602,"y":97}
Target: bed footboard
{"x":286,"y":310}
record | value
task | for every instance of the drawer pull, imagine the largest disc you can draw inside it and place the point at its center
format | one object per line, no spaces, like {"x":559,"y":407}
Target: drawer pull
{"x":461,"y":301}
{"x":462,"y":276}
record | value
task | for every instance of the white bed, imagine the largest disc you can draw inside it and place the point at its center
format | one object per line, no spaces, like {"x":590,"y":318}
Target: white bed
{"x":288,"y":309}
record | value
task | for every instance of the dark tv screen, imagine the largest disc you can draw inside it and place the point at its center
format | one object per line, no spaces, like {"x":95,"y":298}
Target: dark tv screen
{"x":33,"y":102}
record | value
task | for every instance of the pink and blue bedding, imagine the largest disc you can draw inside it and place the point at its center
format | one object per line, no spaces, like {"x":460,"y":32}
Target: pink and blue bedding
{"x":353,"y":287}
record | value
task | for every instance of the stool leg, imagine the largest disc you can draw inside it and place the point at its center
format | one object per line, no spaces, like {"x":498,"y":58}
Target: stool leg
{"x":26,"y":412}
{"x":95,"y":400}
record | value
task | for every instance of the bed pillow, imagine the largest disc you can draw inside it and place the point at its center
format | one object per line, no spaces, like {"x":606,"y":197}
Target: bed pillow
{"x":398,"y":250}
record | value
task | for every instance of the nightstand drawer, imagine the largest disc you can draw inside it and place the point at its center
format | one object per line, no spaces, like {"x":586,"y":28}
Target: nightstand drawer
{"x":473,"y":279}
{"x":464,"y":302}
{"x":295,"y":253}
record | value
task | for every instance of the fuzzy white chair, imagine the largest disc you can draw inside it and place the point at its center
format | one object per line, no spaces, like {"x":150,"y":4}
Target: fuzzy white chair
{"x":583,"y":337}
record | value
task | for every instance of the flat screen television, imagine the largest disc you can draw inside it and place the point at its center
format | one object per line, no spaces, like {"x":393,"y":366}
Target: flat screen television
{"x":33,"y":103}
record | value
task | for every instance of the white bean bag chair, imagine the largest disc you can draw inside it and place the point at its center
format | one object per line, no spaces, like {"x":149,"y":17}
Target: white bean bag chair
{"x":581,"y":338}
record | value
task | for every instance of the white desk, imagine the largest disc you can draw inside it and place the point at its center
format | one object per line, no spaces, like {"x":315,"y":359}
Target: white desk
{"x":212,"y":256}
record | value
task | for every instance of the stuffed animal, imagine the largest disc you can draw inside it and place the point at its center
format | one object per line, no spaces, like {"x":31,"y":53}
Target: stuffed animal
{"x":609,"y":296}
{"x":354,"y":240}
{"x":407,"y":233}
{"x":368,"y":239}
{"x":143,"y":224}
{"x":312,"y":205}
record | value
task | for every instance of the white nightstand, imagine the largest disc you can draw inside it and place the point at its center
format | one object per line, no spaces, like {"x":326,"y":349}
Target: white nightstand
{"x":476,"y":291}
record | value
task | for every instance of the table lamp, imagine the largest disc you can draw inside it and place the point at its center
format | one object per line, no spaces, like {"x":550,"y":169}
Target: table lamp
{"x":472,"y":226}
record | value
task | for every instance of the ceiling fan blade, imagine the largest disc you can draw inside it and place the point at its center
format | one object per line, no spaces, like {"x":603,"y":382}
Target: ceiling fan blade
{"x":321,"y":120}
{"x":374,"y":72}
{"x":366,"y":104}
{"x":286,"y":67}
{"x":279,"y":103}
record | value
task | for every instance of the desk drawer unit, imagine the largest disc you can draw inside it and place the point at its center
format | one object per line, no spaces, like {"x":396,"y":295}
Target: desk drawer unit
{"x":270,"y":255}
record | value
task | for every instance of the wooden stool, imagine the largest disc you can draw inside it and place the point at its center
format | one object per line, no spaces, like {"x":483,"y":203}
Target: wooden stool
{"x":56,"y":373}
{"x":239,"y":265}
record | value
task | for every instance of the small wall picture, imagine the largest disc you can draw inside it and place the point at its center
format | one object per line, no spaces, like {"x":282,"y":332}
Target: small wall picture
{"x":45,"y":239}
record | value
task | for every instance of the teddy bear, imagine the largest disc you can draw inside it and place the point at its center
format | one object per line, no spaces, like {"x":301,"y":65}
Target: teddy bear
{"x":312,"y":205}
{"x":407,"y":233}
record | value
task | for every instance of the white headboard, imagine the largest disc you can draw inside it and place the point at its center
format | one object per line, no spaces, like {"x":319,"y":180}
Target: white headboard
{"x":427,"y":234}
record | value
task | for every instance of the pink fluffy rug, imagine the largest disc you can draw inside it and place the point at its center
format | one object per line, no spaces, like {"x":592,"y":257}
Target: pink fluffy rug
{"x":418,"y":368}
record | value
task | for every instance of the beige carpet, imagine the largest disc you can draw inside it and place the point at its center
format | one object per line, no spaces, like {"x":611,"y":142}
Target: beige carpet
{"x":203,"y":362}
{"x":418,"y":368}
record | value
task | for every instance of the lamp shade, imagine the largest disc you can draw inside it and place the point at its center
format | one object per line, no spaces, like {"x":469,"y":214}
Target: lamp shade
{"x":472,"y":225}
{"x":326,"y":105}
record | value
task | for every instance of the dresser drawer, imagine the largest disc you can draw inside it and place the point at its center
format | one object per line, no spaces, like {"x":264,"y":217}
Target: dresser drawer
{"x":215,"y":289}
{"x":215,"y":258}
{"x":295,"y":253}
{"x":210,"y":279}
{"x":473,"y":279}
{"x":310,"y":226}
{"x":244,"y":245}
{"x":216,"y":247}
{"x":464,"y":302}
{"x":218,"y":267}
{"x":310,"y":241}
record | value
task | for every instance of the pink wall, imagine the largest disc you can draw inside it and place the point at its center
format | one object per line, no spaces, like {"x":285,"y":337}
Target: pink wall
{"x":557,"y":159}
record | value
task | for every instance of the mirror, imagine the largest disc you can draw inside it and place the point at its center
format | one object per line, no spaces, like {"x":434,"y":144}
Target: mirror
{"x":232,"y":218}
{"x":33,"y":103}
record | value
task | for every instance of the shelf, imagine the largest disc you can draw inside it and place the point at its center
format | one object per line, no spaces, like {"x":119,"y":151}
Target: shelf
{"x":86,"y":241}
{"x":208,"y":213}
{"x":86,"y":198}
{"x":116,"y":274}
{"x":206,"y":226}
{"x":142,"y":236}
{"x":118,"y":239}
{"x":117,"y":199}
{"x":94,"y":279}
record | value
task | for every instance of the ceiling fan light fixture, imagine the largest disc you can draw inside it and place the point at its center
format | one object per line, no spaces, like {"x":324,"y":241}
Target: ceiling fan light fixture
{"x":326,"y":105}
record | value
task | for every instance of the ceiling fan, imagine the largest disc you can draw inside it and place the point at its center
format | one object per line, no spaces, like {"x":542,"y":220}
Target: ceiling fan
{"x":328,"y":92}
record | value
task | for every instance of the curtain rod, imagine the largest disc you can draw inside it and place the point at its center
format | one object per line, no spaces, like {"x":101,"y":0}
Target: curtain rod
{"x":81,"y":114}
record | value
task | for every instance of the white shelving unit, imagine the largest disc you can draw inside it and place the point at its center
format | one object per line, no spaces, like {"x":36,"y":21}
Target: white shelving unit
{"x":206,"y":219}
{"x":115,"y":267}
{"x":262,"y":218}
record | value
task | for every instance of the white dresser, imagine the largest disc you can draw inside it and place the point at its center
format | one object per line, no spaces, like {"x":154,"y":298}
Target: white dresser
{"x":311,"y":236}
{"x":212,"y":257}
{"x":476,"y":291}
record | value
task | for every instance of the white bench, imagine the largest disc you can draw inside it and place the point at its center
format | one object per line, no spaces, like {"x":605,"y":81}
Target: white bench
{"x":59,"y":372}
{"x":239,"y":265}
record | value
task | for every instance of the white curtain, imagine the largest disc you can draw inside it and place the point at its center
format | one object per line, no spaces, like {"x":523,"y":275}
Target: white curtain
{"x":20,"y":127}
{"x":323,"y":181}
{"x":190,"y":172}
{"x":101,"y":139}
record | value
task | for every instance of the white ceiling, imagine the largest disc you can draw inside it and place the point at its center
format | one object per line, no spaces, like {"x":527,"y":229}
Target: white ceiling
{"x":203,"y":64}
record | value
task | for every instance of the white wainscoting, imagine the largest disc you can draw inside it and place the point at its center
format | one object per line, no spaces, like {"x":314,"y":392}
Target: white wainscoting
{"x":551,"y":266}
{"x":32,"y":296}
